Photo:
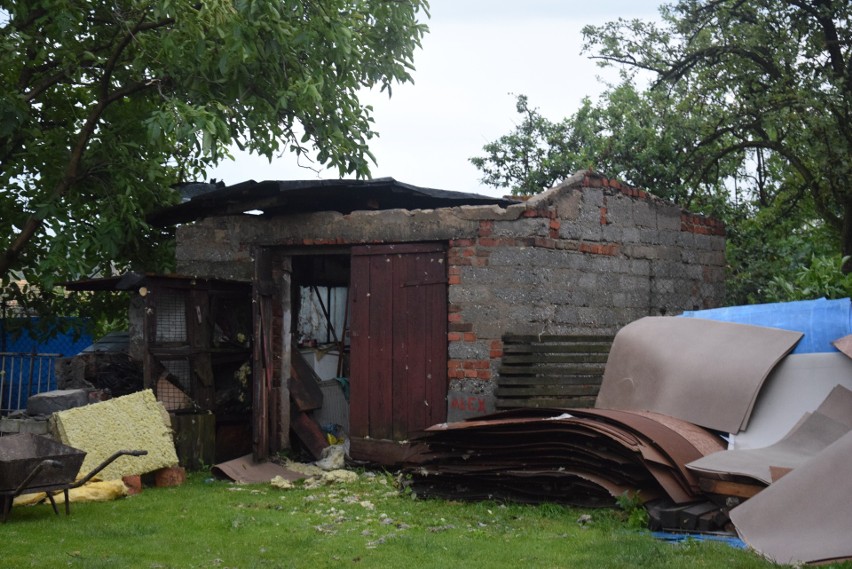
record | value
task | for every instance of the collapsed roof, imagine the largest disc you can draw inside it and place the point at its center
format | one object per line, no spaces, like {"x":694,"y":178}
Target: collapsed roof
{"x":305,"y":196}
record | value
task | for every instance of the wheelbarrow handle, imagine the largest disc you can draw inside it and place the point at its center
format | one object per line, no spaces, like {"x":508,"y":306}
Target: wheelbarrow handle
{"x":135,"y":452}
{"x":46,"y":463}
{"x":106,"y":463}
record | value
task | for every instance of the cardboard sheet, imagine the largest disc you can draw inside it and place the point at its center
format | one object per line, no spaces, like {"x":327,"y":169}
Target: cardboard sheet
{"x":809,"y":438}
{"x":702,"y":371}
{"x":805,"y":516}
{"x":245,"y":471}
{"x":844,"y":345}
{"x":797,"y":385}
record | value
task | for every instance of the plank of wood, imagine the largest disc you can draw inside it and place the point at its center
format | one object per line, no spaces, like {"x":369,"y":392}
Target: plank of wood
{"x":555,"y":402}
{"x":556,"y":349}
{"x":727,"y":488}
{"x":303,"y":383}
{"x":528,"y":339}
{"x":554,"y":359}
{"x":534,"y":378}
{"x":551,"y":370}
{"x":547,"y":391}
{"x":309,"y":433}
{"x":383,"y":452}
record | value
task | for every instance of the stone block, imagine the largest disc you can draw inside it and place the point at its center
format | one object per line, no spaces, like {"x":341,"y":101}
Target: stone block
{"x":614,"y":233}
{"x":34,"y":426}
{"x":619,"y":210}
{"x":526,"y":227}
{"x":50,"y":402}
{"x":478,"y":350}
{"x":645,"y":215}
{"x":9,"y":426}
{"x":567,"y":204}
{"x":668,"y":217}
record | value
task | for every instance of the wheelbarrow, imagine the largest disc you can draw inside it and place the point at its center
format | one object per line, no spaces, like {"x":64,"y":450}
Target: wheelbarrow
{"x":32,"y":463}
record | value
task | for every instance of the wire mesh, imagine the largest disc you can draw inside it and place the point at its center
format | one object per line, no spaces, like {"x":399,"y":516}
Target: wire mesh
{"x":171,"y":319}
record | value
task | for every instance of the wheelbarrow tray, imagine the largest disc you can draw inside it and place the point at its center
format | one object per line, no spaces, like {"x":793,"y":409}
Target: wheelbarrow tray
{"x":21,"y":454}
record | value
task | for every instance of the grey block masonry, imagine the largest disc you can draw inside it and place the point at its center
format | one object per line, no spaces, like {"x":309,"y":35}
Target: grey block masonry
{"x":587,"y":256}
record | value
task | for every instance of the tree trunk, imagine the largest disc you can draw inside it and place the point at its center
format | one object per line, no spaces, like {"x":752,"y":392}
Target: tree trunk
{"x":846,"y":236}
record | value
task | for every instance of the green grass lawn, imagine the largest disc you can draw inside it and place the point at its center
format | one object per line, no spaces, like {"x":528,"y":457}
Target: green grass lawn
{"x":366,"y":523}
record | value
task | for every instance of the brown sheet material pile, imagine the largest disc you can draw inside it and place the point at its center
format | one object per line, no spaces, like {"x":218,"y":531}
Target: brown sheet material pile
{"x":584,"y":457}
{"x":667,"y":381}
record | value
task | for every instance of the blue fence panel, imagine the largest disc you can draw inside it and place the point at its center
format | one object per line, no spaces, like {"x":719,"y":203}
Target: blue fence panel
{"x":27,"y":364}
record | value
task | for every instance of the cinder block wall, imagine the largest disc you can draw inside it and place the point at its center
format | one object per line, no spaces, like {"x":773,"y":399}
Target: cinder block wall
{"x":591,"y":254}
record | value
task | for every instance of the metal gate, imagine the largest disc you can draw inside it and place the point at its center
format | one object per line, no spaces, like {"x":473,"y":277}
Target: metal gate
{"x":24,"y":374}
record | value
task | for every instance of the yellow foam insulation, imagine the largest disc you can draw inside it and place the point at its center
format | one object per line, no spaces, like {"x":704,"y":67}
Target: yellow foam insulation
{"x":100,"y":491}
{"x":133,"y":422}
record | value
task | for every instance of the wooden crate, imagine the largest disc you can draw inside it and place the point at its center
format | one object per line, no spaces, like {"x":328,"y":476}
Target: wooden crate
{"x":551,"y":370}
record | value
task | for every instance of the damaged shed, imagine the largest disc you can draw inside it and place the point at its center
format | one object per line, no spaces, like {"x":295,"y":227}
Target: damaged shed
{"x":422,"y":291}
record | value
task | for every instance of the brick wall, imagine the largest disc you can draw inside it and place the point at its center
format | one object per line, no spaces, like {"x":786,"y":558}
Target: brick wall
{"x":591,"y":254}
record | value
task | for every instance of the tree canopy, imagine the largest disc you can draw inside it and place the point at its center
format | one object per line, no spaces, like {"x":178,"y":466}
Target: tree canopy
{"x":747,"y":118}
{"x":105,"y":105}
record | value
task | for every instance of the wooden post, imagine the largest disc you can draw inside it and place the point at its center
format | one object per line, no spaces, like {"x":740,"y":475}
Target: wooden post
{"x":261,"y":356}
{"x":285,"y":350}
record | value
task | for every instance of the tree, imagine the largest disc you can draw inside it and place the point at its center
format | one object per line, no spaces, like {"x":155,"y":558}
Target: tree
{"x":747,"y":119}
{"x":531,"y":158}
{"x":106,"y":104}
{"x":778,"y":74}
{"x":645,"y":138}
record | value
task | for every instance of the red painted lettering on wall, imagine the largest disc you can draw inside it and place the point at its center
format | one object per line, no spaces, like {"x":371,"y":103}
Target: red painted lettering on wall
{"x":471,"y":404}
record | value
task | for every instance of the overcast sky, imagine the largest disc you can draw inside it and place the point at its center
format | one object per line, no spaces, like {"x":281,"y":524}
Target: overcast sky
{"x":477,"y":54}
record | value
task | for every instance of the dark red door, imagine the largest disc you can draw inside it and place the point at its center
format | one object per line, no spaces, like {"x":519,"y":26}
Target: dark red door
{"x":398,"y":366}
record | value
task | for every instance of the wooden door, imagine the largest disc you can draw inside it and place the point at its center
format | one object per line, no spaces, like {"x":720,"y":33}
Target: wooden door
{"x":398,"y":366}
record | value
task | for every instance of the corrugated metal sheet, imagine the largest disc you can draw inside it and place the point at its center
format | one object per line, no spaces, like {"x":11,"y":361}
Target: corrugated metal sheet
{"x":304,"y":196}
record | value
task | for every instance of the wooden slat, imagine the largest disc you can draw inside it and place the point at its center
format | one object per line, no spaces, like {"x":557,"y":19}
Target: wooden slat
{"x":555,"y":359}
{"x":435,"y":332}
{"x":383,"y":452}
{"x":407,"y":376}
{"x":304,"y":383}
{"x":556,"y":402}
{"x":551,"y":370}
{"x":725,"y":488}
{"x":529,"y":339}
{"x":310,"y":434}
{"x":359,"y":365}
{"x":547,"y":391}
{"x":556,"y":349}
{"x":564,"y":380}
{"x":506,"y":372}
{"x":381,"y":348}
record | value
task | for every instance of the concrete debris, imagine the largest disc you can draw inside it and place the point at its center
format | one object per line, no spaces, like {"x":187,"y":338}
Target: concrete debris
{"x":333,"y":458}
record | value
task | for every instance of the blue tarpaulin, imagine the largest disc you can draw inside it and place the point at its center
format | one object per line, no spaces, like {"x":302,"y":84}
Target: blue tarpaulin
{"x":731,"y":540}
{"x":27,"y":363}
{"x":821,"y":321}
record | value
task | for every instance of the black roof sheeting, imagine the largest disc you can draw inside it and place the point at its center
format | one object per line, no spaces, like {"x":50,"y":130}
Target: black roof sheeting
{"x":306,"y":196}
